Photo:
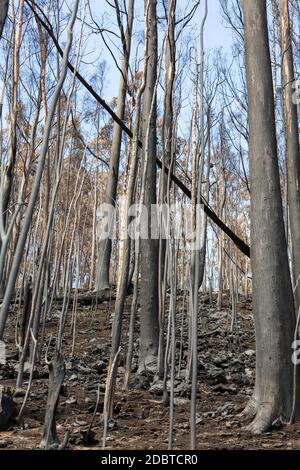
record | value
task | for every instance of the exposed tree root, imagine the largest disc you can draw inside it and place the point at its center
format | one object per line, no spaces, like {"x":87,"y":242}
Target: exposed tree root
{"x":250,"y":410}
{"x":265,"y":416}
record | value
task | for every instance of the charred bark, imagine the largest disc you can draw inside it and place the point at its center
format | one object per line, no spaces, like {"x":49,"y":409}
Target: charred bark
{"x":3,"y":14}
{"x":56,"y":377}
{"x":149,"y":333}
{"x":292,"y":144}
{"x":272,"y":291}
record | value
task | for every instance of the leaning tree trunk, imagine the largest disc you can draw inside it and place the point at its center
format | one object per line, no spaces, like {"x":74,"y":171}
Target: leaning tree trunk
{"x":149,"y":332}
{"x":104,"y":248}
{"x":272,"y":291}
{"x":292,"y":144}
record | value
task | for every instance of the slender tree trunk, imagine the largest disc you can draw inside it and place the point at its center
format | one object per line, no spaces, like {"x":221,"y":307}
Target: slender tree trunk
{"x":3,"y":14}
{"x":292,"y":144}
{"x":92,"y":261}
{"x":272,"y":291}
{"x":125,"y":262}
{"x":37,"y":181}
{"x":8,"y":170}
{"x":149,"y":332}
{"x":196,"y":286}
{"x":203,"y":215}
{"x":167,"y":141}
{"x":105,"y":246}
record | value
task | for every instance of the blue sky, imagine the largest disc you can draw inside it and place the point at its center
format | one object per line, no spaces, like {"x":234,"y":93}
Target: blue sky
{"x":216,"y":34}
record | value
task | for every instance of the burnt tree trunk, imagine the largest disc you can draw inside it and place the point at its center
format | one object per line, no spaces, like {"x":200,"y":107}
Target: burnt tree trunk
{"x":272,"y":290}
{"x":56,"y":377}
{"x":3,"y":14}
{"x":104,"y":248}
{"x":292,"y":144}
{"x":149,"y":333}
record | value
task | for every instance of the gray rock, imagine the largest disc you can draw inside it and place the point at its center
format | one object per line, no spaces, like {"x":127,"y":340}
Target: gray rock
{"x":250,"y":352}
{"x":99,"y":366}
{"x":221,"y":388}
{"x":216,"y":374}
{"x":220,"y":360}
{"x":71,"y":401}
{"x":157,"y":388}
{"x":139,"y":413}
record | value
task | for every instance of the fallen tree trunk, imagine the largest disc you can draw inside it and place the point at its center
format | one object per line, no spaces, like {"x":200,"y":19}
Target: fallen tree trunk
{"x":89,"y":298}
{"x":82,"y":299}
{"x":241,"y":245}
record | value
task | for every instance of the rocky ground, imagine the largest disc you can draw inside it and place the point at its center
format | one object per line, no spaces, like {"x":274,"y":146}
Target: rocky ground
{"x":226,"y":377}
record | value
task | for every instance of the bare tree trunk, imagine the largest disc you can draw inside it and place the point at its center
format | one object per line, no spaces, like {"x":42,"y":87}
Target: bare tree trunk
{"x":167,"y":141}
{"x":3,"y":14}
{"x":203,"y":215}
{"x":37,"y":181}
{"x":272,"y":291}
{"x":103,"y":264}
{"x":125,"y":262}
{"x":194,"y":335}
{"x":8,"y":171}
{"x":92,"y":262}
{"x":292,"y":144}
{"x":149,"y":332}
{"x":221,"y":248}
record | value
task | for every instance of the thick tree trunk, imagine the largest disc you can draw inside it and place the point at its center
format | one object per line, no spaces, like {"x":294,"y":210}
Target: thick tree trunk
{"x":292,"y":144}
{"x":272,"y":291}
{"x":104,"y":249}
{"x":149,"y":333}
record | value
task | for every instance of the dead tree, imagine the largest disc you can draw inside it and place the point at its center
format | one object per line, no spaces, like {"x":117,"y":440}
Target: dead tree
{"x":292,"y":143}
{"x":3,"y":14}
{"x":37,"y":181}
{"x":242,"y":246}
{"x":197,"y":247}
{"x":149,"y":332}
{"x":104,"y":249}
{"x":8,"y":170}
{"x":56,"y":377}
{"x":272,"y":290}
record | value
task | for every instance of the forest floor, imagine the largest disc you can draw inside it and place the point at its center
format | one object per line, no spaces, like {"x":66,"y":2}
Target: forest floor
{"x":226,"y":377}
